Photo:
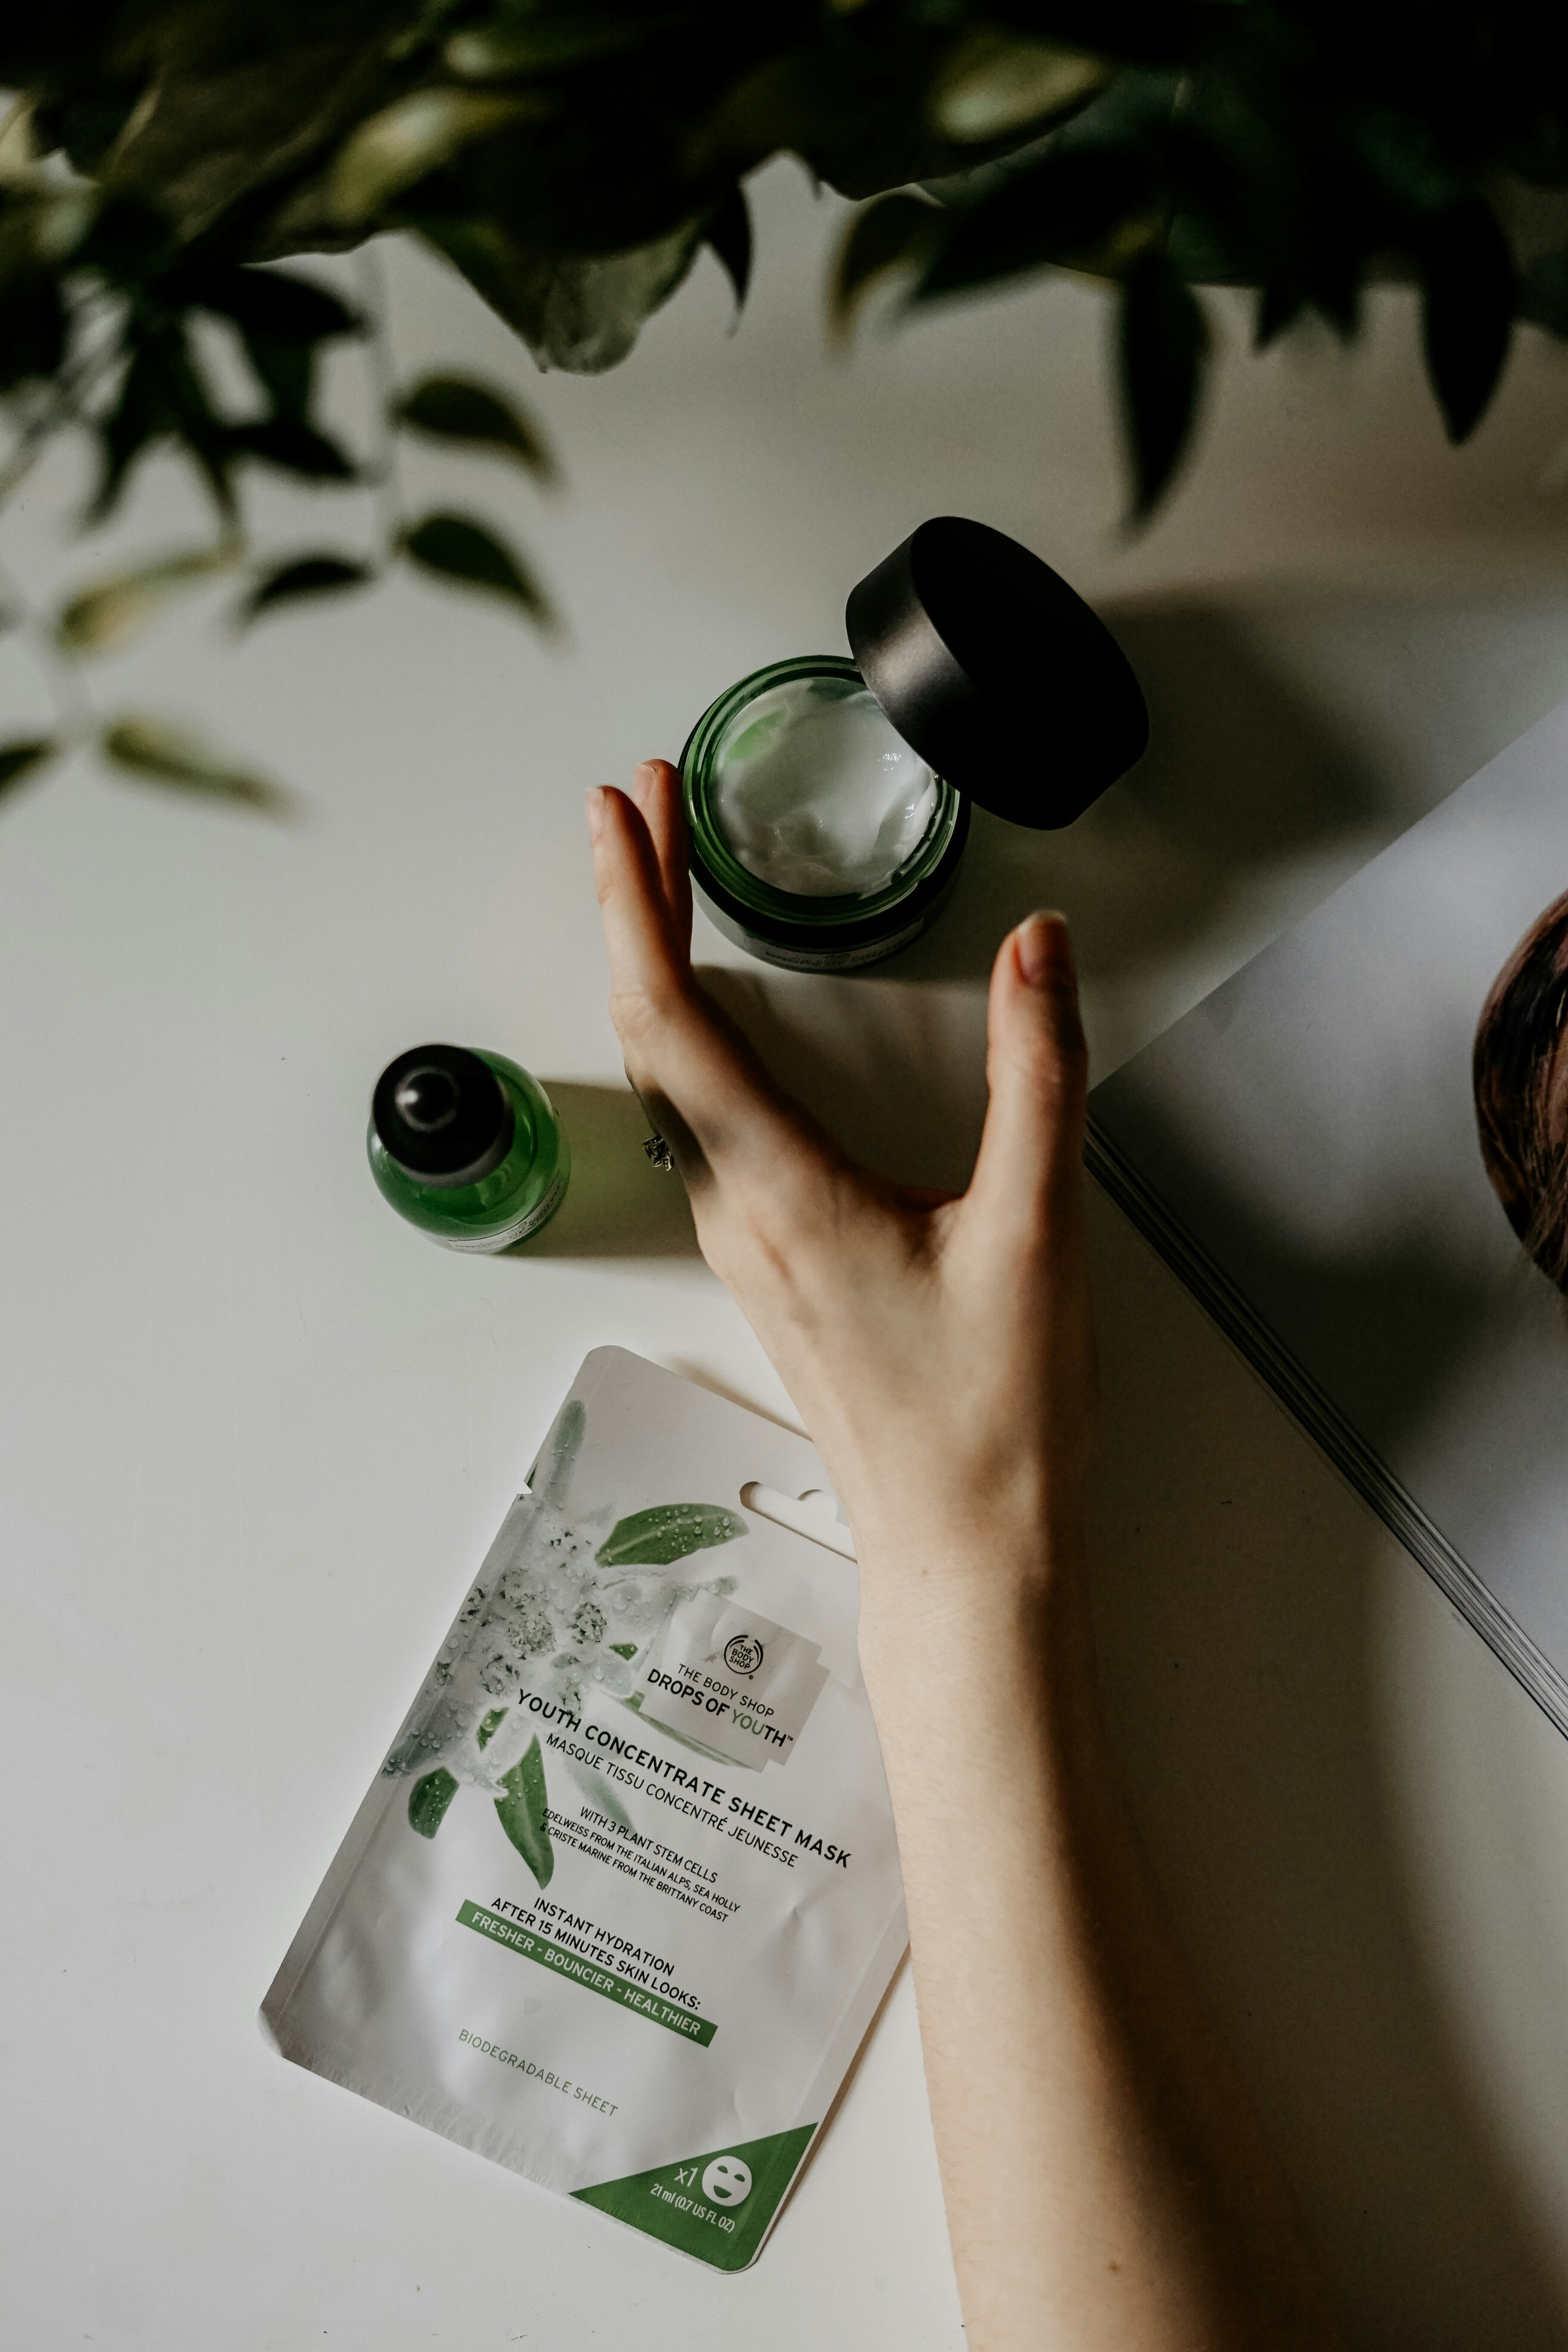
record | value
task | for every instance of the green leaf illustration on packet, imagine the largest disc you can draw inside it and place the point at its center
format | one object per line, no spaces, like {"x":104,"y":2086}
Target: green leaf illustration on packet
{"x":575,"y":1606}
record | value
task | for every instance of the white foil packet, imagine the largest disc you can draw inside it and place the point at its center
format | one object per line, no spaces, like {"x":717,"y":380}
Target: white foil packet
{"x":625,"y":1895}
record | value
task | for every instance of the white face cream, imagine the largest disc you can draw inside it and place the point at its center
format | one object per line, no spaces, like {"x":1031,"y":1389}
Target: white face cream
{"x":817,"y":794}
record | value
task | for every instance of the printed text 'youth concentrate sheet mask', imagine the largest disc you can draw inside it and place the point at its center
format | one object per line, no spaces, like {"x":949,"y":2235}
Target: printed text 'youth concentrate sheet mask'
{"x":625,"y":1895}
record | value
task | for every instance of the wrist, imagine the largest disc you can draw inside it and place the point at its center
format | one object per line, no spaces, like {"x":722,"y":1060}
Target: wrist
{"x":986,"y":1580}
{"x":957,"y":1667}
{"x":979,"y":1554}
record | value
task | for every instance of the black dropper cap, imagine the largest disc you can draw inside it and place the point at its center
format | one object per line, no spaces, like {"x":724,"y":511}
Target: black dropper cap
{"x":443,"y":1115}
{"x":996,"y":672}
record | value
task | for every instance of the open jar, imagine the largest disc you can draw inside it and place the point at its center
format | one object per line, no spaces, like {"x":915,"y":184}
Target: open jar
{"x":828,"y":800}
{"x":819,"y":839}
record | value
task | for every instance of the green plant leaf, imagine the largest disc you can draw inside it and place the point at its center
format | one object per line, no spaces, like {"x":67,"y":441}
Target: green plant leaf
{"x":115,"y":612}
{"x":269,"y":302}
{"x":1405,"y":157}
{"x":294,"y":448}
{"x":19,"y":149}
{"x":1091,"y":208}
{"x":1278,"y":307}
{"x":455,"y":547}
{"x":282,"y":322}
{"x":667,"y":1532}
{"x":476,"y":416}
{"x":580,"y":312}
{"x":1163,"y":341}
{"x":302,"y":576}
{"x":1543,"y":293}
{"x":889,"y":232}
{"x":729,"y":235}
{"x":545,"y":43}
{"x":1468,"y":290}
{"x":127,"y":241}
{"x":994,"y":83}
{"x":286,"y":373}
{"x":428,"y":1799}
{"x":38,"y":233}
{"x":139,"y":417}
{"x":33,"y":347}
{"x":214,"y":118}
{"x":522,"y":1812}
{"x":570,"y":156}
{"x":414,"y":137}
{"x":22,"y":755}
{"x":162,"y":397}
{"x":162,"y":752}
{"x":625,"y":1649}
{"x":490,"y":1727}
{"x":851,"y":105}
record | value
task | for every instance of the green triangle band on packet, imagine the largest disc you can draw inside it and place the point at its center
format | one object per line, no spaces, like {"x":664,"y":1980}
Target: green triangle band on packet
{"x":716,"y":2206}
{"x":625,"y":1886}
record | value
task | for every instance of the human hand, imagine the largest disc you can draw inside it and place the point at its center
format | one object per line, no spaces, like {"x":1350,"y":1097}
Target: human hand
{"x":1107,"y":2180}
{"x":938,"y":1349}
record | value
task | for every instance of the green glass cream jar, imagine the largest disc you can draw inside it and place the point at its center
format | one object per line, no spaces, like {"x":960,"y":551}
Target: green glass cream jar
{"x":828,"y":800}
{"x":789,"y":859}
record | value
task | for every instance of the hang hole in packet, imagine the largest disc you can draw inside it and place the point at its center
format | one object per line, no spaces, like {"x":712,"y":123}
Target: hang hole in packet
{"x":625,"y":1896}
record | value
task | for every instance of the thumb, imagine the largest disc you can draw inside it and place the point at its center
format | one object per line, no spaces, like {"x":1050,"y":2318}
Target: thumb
{"x":1031,"y":1152}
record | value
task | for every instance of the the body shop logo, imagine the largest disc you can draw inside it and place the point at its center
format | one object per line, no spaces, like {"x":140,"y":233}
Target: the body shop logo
{"x":751,"y":1682}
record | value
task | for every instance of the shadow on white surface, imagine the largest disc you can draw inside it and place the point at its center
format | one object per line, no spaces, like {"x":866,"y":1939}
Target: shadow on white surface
{"x":617,"y":1203}
{"x":895,"y":1070}
{"x":1240,"y":1593}
{"x":1244,"y":770}
{"x":1292,"y":735}
{"x":1240,"y":1589}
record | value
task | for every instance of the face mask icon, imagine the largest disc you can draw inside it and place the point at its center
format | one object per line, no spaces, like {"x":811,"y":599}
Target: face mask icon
{"x":726,"y":2181}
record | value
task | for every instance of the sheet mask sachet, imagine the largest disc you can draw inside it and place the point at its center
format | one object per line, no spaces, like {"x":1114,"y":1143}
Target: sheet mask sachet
{"x":625,"y":1896}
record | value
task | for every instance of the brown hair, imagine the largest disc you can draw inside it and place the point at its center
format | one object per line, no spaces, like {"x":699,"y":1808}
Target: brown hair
{"x":1520,"y":1073}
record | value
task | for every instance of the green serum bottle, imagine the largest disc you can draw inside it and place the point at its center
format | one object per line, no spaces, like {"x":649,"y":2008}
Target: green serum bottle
{"x":467,"y":1146}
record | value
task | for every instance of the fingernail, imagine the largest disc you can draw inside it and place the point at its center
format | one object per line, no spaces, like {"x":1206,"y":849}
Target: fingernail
{"x":594,"y":804}
{"x":1044,"y":947}
{"x":642,"y":782}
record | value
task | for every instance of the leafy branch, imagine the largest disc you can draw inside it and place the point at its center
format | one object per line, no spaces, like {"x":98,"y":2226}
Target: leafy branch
{"x":570,"y":159}
{"x":115,"y":347}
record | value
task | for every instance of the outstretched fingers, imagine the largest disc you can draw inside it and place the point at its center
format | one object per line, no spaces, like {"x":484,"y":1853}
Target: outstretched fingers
{"x":650,"y":955}
{"x":656,"y":794}
{"x":698,"y":1080}
{"x":1027,"y":1173}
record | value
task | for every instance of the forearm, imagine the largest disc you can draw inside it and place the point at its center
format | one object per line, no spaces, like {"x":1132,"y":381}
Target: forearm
{"x":1106,"y":2181}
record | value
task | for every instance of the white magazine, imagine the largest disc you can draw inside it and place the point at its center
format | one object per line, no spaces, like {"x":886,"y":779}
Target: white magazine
{"x":1303,"y":1148}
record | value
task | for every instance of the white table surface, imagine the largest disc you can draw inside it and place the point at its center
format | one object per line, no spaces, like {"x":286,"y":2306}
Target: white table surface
{"x":255,"y":1432}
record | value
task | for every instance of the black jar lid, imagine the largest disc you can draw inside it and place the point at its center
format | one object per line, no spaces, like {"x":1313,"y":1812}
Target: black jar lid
{"x":443,"y":1115}
{"x":996,"y":672}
